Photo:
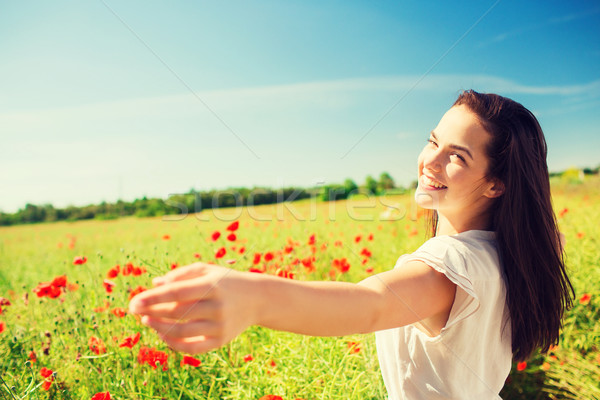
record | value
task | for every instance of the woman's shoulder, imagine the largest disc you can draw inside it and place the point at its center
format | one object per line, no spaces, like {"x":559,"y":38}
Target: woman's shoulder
{"x":455,"y":249}
{"x":473,"y":240}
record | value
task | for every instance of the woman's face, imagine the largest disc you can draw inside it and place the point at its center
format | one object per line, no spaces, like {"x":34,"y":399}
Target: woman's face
{"x":453,"y":165}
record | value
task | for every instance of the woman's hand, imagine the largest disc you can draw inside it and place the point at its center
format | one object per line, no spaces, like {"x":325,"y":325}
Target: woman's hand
{"x":199,"y":307}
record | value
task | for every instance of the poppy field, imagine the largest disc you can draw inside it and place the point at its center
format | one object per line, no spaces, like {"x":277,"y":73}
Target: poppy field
{"x":65,"y":332}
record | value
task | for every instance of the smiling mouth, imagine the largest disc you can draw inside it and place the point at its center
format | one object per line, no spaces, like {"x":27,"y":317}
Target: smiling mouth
{"x":430,"y":183}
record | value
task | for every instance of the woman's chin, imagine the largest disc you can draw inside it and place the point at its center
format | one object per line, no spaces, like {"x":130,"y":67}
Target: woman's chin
{"x":426,"y":198}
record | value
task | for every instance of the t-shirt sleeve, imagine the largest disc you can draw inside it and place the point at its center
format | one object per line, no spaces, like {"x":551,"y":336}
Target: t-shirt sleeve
{"x":449,"y":259}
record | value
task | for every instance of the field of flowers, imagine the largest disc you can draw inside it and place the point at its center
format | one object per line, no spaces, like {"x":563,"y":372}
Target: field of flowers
{"x":64,"y":289}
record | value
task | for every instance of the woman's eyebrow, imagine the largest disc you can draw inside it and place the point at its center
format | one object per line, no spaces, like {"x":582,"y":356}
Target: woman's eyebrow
{"x":455,"y":146}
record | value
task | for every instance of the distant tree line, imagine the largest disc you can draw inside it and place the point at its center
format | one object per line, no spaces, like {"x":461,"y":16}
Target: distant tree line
{"x":195,"y":201}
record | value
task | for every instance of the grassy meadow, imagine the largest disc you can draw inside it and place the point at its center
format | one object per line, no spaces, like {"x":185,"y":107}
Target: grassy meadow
{"x":76,"y":340}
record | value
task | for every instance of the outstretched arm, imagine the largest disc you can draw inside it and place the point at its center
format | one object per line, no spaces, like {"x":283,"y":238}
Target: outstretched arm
{"x":201,"y":307}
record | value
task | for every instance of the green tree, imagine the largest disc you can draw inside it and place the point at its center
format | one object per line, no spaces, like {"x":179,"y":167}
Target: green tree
{"x":371,"y":185}
{"x":333,"y":193}
{"x":386,"y":182}
{"x":351,"y":187}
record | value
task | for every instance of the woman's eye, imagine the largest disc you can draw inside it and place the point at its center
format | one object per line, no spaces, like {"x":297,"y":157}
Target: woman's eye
{"x":460,"y":157}
{"x":432,"y":142}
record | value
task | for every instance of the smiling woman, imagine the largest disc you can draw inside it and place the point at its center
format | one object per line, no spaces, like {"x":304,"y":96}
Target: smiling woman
{"x":452,"y":172}
{"x":479,"y":290}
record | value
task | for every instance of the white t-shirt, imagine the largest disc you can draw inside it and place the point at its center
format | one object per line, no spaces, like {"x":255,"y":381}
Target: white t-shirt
{"x":472,"y":356}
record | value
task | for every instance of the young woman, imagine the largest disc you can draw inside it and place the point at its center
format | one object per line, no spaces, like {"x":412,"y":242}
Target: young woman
{"x":489,"y":285}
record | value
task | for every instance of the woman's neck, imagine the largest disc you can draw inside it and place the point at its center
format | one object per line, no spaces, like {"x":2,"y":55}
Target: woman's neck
{"x":453,"y":225}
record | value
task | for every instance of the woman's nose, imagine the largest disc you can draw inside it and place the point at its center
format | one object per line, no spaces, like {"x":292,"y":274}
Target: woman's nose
{"x":432,"y":162}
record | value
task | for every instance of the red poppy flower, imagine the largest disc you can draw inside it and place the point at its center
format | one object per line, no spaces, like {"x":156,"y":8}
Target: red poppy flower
{"x":137,"y":271}
{"x":152,"y":357}
{"x":2,"y":326}
{"x":369,"y":270}
{"x":353,"y":347}
{"x":136,"y":291}
{"x":271,"y":397}
{"x":216,"y":235}
{"x":257,"y":270}
{"x":72,"y":287}
{"x":127,"y":269}
{"x":220,"y":253}
{"x":102,"y":309}
{"x":113,"y":272}
{"x":47,"y":383}
{"x":108,"y":285}
{"x":79,"y":260}
{"x":46,"y":289}
{"x":231,"y":237}
{"x":341,"y":264}
{"x":365,"y":252}
{"x":580,"y":235}
{"x":96,"y":345}
{"x":32,"y":356}
{"x":101,"y":396}
{"x":248,"y":358}
{"x":119,"y":312}
{"x":521,"y":366}
{"x":357,"y":238}
{"x":288,"y":249}
{"x":308,"y":263}
{"x":174,"y":265}
{"x":563,"y":212}
{"x":370,"y":237}
{"x":166,"y":237}
{"x":130,"y":341}
{"x":187,"y":360}
{"x":585,"y":298}
{"x":269,"y":256}
{"x":282,"y":273}
{"x":197,"y":255}
{"x":256,"y":258}
{"x":312,"y":239}
{"x":545,"y":366}
{"x":242,"y":250}
{"x":45,"y":372}
{"x":60,"y":281}
{"x":233,"y":226}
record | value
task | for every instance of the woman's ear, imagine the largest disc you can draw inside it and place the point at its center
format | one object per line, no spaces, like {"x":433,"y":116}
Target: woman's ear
{"x":496,"y":189}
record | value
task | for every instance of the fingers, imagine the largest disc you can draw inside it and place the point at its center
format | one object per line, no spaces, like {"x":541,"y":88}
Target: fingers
{"x":195,"y":345}
{"x":180,"y":291}
{"x":179,"y":330}
{"x":180,"y":311}
{"x":188,"y":272}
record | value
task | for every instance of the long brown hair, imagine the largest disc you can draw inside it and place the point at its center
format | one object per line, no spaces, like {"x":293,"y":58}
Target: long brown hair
{"x":528,"y":239}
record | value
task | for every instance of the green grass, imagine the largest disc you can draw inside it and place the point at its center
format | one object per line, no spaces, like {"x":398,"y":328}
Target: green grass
{"x":304,"y":367}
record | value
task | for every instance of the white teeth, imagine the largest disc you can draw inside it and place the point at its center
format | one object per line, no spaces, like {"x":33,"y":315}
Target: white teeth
{"x":433,"y":183}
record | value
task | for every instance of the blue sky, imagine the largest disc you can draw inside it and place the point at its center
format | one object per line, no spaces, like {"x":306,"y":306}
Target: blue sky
{"x":102,"y":100}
